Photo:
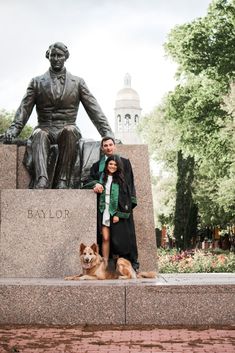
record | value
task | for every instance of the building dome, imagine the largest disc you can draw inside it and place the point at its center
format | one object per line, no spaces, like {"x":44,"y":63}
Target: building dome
{"x":127,"y":97}
{"x":127,"y":113}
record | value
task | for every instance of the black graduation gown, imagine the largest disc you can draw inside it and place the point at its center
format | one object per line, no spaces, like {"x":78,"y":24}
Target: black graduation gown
{"x":123,"y":237}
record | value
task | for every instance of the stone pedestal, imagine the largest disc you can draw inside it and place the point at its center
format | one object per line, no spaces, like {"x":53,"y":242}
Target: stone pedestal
{"x":41,"y":231}
{"x":14,"y":175}
{"x":39,"y":238}
{"x":8,"y":166}
{"x":23,"y":177}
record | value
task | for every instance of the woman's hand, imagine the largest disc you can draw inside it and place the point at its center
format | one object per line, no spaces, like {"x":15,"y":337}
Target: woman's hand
{"x":98,"y":189}
{"x":115,"y":219}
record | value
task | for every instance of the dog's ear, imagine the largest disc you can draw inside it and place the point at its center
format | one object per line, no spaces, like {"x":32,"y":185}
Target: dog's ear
{"x":82,"y":247}
{"x":95,"y":248}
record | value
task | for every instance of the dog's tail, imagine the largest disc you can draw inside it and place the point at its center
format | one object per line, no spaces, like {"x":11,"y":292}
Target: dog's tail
{"x":151,"y":274}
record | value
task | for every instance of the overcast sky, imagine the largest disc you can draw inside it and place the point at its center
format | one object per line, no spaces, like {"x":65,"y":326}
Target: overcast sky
{"x":105,"y":38}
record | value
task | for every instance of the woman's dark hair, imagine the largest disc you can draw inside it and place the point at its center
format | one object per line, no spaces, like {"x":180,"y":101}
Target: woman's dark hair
{"x":118,"y":176}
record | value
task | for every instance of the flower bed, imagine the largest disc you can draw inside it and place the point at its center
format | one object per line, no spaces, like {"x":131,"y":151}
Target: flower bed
{"x":171,"y":261}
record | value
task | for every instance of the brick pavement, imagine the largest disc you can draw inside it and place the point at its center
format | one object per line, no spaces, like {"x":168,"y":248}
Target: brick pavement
{"x":118,"y":339}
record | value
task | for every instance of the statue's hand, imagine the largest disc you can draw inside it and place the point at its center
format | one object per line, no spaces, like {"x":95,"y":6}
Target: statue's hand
{"x":9,"y":136}
{"x":118,"y":142}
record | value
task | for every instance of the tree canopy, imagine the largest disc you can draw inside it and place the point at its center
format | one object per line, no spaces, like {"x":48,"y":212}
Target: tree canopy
{"x":196,"y":120}
{"x":6,"y":118}
{"x":206,"y":44}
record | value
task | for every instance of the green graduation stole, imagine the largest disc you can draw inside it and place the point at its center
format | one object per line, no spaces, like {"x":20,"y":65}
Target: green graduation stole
{"x":102,"y":164}
{"x":113,"y":205}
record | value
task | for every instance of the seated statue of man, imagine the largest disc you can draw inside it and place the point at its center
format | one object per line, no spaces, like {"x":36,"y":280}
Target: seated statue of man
{"x":56,"y":95}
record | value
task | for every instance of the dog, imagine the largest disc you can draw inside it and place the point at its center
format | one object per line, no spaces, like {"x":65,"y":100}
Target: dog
{"x":94,"y":267}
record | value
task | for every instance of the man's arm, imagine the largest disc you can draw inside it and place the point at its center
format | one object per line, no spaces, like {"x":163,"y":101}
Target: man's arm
{"x":22,"y":114}
{"x":128,"y":173}
{"x":94,"y":110}
{"x":95,"y":175}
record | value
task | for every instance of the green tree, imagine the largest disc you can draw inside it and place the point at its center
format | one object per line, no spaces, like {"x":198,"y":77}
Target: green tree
{"x":207,"y":44}
{"x":185,"y":218}
{"x":162,"y":137}
{"x":164,"y":191}
{"x":200,"y":113}
{"x":205,"y":52}
{"x":6,"y":118}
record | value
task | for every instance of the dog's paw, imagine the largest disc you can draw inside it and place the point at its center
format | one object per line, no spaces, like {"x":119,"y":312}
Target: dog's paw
{"x":72,"y":278}
{"x":123,"y":277}
{"x":151,"y":274}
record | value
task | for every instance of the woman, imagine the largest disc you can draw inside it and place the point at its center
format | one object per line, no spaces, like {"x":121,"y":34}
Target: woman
{"x":114,"y":211}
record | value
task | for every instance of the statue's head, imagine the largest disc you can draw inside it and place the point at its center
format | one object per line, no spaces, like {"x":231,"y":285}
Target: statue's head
{"x":60,"y":46}
{"x":57,"y":54}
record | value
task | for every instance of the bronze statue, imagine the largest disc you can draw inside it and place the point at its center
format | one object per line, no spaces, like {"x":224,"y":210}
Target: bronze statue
{"x":57,"y":95}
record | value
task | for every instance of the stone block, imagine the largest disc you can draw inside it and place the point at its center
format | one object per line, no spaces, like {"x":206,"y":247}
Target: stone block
{"x":180,"y":305}
{"x":23,"y":177}
{"x":143,"y":213}
{"x":176,"y":300}
{"x":58,"y":302}
{"x":8,"y":167}
{"x":41,"y":231}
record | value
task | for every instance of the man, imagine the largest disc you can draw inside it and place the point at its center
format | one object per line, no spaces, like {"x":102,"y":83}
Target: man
{"x":108,"y":148}
{"x":57,"y":95}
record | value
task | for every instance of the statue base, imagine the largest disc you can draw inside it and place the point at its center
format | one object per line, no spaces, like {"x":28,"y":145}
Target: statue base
{"x":11,"y":158}
{"x":41,"y":231}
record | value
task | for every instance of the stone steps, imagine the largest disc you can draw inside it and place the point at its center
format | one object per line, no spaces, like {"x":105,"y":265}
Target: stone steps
{"x":170,"y":300}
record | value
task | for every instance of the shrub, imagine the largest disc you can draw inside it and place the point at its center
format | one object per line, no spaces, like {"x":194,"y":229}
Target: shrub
{"x":171,"y":261}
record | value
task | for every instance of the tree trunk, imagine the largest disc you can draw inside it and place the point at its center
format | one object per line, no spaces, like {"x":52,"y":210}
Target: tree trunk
{"x":185,"y":219}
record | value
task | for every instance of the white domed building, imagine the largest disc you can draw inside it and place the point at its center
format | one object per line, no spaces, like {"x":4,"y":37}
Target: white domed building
{"x":127,"y":113}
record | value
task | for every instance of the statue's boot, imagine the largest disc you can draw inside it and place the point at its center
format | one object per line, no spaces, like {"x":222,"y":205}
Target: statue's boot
{"x":42,"y":183}
{"x":61,"y":184}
